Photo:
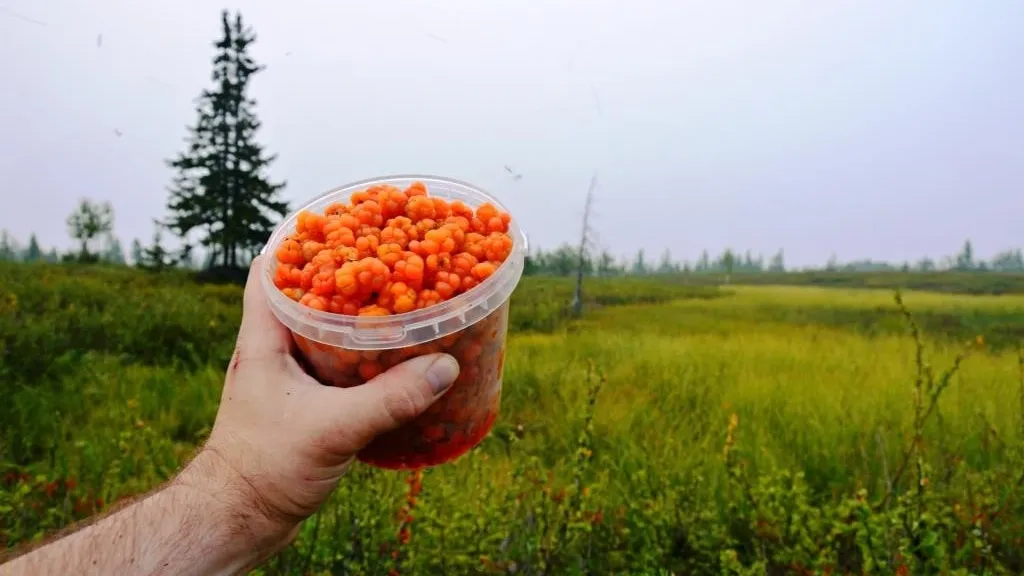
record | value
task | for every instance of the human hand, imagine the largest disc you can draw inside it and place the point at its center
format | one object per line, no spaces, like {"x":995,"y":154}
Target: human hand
{"x":281,"y":441}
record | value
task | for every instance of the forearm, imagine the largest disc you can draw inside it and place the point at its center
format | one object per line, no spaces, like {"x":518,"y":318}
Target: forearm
{"x":190,"y":526}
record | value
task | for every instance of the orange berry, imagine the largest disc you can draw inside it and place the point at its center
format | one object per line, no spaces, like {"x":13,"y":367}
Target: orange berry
{"x":483,"y":270}
{"x":457,"y":234}
{"x":369,"y":370}
{"x":335,"y":209}
{"x":472,"y":351}
{"x":486,"y":211}
{"x":450,"y":278}
{"x":300,"y":221}
{"x":342,"y":305}
{"x":434,"y":432}
{"x":404,"y":303}
{"x":373,"y":310}
{"x":313,"y":301}
{"x":323,"y":282}
{"x":343,"y":254}
{"x":310,"y":249}
{"x":441,"y":208}
{"x":389,"y":254}
{"x":293,"y":293}
{"x":282,"y":275}
{"x":462,"y":263}
{"x":290,"y":252}
{"x":496,"y":224}
{"x":340,"y":236}
{"x":308,"y":271}
{"x":367,"y":245}
{"x":392,"y":201}
{"x":323,"y":258}
{"x":444,"y":290}
{"x":310,"y":224}
{"x":390,"y":251}
{"x":394,"y":235}
{"x":368,"y":213}
{"x":425,"y":225}
{"x":409,"y":269}
{"x":416,"y":189}
{"x":419,"y":208}
{"x":431,"y":264}
{"x":429,"y":247}
{"x":497,"y":247}
{"x":460,"y":209}
{"x":437,"y":236}
{"x":360,"y":197}
{"x":368,"y":232}
{"x":475,"y":245}
{"x":349,"y":221}
{"x":345,"y":280}
{"x":427,"y":298}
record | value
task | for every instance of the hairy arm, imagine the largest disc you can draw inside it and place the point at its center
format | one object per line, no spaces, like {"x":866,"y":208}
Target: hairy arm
{"x":278,"y":447}
{"x":195,"y":524}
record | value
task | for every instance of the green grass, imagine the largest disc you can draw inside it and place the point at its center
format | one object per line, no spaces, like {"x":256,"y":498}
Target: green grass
{"x":867,"y":312}
{"x":820,"y":384}
{"x":948,"y":282}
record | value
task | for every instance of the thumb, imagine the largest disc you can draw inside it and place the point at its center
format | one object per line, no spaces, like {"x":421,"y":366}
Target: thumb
{"x":397,"y":396}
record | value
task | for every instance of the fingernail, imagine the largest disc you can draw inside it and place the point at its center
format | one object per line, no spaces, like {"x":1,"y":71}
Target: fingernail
{"x":442,"y":373}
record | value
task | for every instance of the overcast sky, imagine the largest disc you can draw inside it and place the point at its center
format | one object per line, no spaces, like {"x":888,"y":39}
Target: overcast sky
{"x":889,"y":130}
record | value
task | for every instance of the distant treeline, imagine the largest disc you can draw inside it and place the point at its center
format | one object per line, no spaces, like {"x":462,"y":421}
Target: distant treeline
{"x":564,"y":261}
{"x":90,"y":226}
{"x":104,"y":249}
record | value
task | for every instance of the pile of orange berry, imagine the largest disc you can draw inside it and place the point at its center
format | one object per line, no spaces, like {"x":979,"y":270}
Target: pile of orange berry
{"x":390,"y":251}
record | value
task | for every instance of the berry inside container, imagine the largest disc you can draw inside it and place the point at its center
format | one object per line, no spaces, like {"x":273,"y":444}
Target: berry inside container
{"x":380,"y":271}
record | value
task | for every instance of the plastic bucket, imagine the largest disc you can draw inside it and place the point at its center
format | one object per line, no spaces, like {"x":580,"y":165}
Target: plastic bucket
{"x":340,"y":349}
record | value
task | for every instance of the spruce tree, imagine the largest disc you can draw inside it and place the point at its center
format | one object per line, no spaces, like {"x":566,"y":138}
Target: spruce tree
{"x":965,"y":259}
{"x":639,"y":265}
{"x":115,"y":253}
{"x":137,"y":252}
{"x":665,"y":266}
{"x":220,"y":190}
{"x":728,"y":261}
{"x":606,"y":264}
{"x":704,"y":264}
{"x":33,"y":253}
{"x":156,"y":257}
{"x":7,"y":249}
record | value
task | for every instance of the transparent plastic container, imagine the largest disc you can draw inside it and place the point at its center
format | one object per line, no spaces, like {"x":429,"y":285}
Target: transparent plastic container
{"x":341,"y":349}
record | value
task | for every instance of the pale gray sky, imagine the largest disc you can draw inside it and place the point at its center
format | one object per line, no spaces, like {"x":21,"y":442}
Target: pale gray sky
{"x":861,"y":127}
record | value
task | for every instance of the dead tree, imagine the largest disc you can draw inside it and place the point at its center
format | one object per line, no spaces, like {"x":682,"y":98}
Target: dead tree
{"x":577,"y":301}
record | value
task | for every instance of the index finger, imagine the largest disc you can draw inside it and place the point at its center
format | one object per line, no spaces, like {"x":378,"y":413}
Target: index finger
{"x":261,"y":333}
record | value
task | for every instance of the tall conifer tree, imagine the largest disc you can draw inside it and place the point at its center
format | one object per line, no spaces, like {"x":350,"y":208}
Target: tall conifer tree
{"x":221,"y":190}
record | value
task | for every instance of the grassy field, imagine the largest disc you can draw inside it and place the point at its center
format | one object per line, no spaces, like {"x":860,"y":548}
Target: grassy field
{"x":674,"y":429}
{"x":949,"y":282}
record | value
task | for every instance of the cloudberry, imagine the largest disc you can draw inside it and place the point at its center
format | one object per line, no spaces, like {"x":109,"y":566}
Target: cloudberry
{"x":390,"y":251}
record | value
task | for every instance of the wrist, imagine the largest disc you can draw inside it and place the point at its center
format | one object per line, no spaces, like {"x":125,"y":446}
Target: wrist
{"x":201,"y":523}
{"x":247,"y":532}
